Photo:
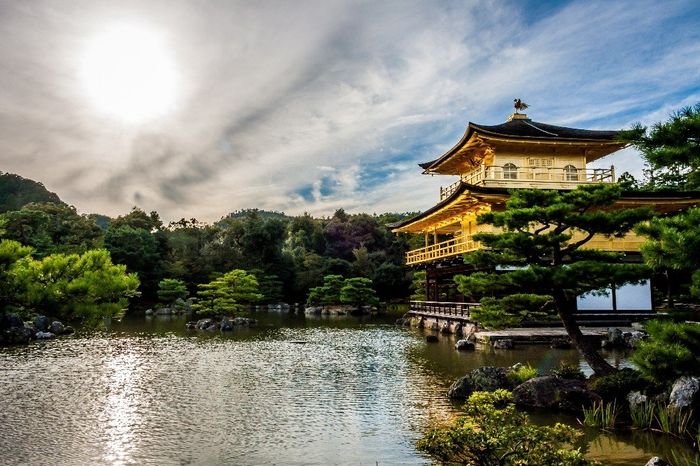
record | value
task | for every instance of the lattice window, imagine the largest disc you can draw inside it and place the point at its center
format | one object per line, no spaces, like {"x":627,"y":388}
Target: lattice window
{"x":539,"y":162}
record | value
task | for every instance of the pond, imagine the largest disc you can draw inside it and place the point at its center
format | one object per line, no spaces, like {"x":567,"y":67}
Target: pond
{"x":294,"y":390}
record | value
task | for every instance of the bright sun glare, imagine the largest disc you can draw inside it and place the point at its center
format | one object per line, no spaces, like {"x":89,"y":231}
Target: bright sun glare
{"x":128,"y":72}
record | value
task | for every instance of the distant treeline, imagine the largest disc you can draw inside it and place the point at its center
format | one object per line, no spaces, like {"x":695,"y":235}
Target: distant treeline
{"x":289,"y":254}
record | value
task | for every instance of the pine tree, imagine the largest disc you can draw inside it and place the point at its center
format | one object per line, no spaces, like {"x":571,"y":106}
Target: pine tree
{"x":539,"y":250}
{"x":672,"y":149}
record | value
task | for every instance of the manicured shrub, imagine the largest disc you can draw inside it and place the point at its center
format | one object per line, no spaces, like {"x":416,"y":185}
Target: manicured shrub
{"x":522,"y":374}
{"x":672,"y":350}
{"x":493,"y":432}
{"x":568,"y":371}
{"x":615,"y":387}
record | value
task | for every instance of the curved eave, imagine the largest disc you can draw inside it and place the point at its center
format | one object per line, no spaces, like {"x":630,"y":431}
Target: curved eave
{"x":464,"y":198}
{"x":606,"y":139}
{"x":467,"y":196}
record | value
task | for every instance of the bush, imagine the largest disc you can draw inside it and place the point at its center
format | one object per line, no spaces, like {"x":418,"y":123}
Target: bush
{"x":615,"y":387}
{"x":672,"y":351}
{"x":522,"y":374}
{"x":568,"y":371}
{"x":493,"y":432}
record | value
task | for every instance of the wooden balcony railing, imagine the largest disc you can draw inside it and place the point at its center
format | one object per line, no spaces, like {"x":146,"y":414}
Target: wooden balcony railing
{"x":532,"y":176}
{"x":462,"y":244}
{"x":442,"y":309}
{"x":449,"y":248}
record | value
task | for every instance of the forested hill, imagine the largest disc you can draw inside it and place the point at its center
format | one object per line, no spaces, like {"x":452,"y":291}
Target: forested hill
{"x":288,"y":254}
{"x":16,"y":191}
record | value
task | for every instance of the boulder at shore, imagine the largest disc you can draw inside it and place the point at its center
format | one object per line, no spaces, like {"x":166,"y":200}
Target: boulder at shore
{"x":487,"y":378}
{"x":554,"y":393}
{"x":685,"y":393}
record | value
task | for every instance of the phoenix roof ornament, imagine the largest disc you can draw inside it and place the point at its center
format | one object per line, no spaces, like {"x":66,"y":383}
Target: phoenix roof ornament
{"x":519,"y":105}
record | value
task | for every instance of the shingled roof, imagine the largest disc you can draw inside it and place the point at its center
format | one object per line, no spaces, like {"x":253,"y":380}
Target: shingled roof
{"x":521,"y":127}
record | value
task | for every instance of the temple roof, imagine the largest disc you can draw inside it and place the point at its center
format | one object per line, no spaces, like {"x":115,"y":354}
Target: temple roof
{"x":519,"y":128}
{"x":467,"y":196}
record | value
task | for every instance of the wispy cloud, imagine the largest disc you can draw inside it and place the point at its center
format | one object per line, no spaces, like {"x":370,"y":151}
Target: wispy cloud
{"x":313,"y":106}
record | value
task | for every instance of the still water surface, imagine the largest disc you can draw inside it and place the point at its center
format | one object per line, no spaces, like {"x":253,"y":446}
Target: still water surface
{"x":149,"y":392}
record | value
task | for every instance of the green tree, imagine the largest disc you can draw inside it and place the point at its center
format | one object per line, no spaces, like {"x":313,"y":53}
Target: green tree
{"x":419,"y":286}
{"x":51,"y":228}
{"x":172,"y":289}
{"x":227,"y":293}
{"x":535,"y":252}
{"x":138,"y":249}
{"x":512,"y":310}
{"x":10,"y":253}
{"x":674,"y":245}
{"x":492,"y":432}
{"x":270,"y":286}
{"x":358,"y":291}
{"x":672,"y":351}
{"x":390,"y":281}
{"x":328,"y":293}
{"x":672,"y":149}
{"x":71,"y":286}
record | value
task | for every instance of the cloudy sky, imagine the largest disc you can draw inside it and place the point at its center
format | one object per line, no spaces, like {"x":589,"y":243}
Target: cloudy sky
{"x":197,"y":108}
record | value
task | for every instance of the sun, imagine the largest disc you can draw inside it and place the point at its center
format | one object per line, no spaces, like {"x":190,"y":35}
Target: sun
{"x":128,"y":72}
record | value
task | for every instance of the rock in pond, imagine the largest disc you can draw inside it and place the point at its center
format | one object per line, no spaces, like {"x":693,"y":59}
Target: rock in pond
{"x":464,"y":345}
{"x":685,"y":393}
{"x":554,"y":393}
{"x":16,"y":335}
{"x":149,"y":312}
{"x":57,"y":327}
{"x":636,"y":398}
{"x":432,"y":339}
{"x":560,"y":343}
{"x":245,"y":321}
{"x":41,"y":323}
{"x":203,"y":323}
{"x":505,"y":343}
{"x":614,"y":339}
{"x":45,"y":335}
{"x":656,"y":461}
{"x":487,"y":378}
{"x":12,"y":321}
{"x":226,"y":325}
{"x":633,"y":338}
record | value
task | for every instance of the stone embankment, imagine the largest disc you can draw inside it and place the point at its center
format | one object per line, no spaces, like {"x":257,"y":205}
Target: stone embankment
{"x":339,"y":310}
{"x":471,"y":334}
{"x":226,"y":324}
{"x":15,"y":331}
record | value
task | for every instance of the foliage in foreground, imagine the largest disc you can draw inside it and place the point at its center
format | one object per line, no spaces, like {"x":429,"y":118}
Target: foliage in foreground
{"x":672,"y":351}
{"x":492,"y":433}
{"x":68,"y":286}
